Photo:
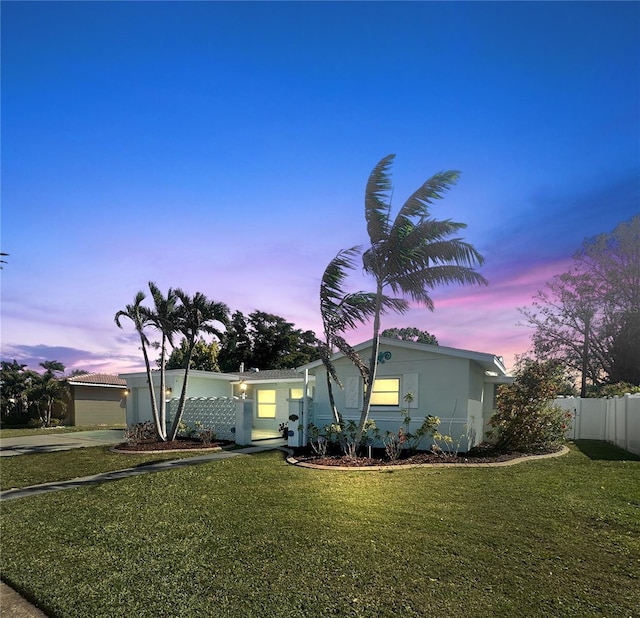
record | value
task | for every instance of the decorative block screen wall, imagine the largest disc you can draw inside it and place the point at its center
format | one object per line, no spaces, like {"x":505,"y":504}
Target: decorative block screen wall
{"x":217,"y":413}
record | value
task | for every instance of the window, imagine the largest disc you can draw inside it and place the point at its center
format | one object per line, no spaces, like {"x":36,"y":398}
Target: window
{"x":266,"y":403}
{"x":386,"y":392}
{"x":296,"y":393}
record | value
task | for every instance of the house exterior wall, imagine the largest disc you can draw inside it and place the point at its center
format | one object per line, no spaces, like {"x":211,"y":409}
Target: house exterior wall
{"x":451,"y":388}
{"x":96,"y":405}
{"x":201,"y":384}
{"x":282,"y":404}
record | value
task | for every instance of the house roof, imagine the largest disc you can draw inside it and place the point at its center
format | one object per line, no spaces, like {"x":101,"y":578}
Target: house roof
{"x":97,"y":379}
{"x":492,"y":364}
{"x":270,"y":375}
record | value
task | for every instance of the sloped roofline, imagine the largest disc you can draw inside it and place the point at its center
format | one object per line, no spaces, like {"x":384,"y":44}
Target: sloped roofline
{"x":489,"y":362}
{"x":250,"y":377}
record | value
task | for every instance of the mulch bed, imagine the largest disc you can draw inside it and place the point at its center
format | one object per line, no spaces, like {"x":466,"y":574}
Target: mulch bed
{"x":175,"y":445}
{"x":479,"y":455}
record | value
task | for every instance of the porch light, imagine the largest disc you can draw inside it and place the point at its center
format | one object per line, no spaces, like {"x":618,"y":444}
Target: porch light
{"x":125,"y":392}
{"x":168,"y":391}
{"x":243,"y":388}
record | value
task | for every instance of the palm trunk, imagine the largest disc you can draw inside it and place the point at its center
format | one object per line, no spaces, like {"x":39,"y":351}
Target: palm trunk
{"x":161,"y":431}
{"x":183,"y":396}
{"x":163,"y":387}
{"x":332,"y":401}
{"x":373,"y":365}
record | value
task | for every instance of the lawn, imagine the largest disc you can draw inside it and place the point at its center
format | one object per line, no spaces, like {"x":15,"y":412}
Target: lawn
{"x":41,"y":431}
{"x":26,"y":470}
{"x":252,"y":536}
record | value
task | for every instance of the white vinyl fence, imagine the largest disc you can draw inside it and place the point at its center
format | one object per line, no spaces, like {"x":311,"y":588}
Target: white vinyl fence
{"x":615,"y":420}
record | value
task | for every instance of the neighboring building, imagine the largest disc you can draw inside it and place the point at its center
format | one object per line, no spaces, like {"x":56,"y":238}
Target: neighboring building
{"x":97,"y":399}
{"x":455,"y":385}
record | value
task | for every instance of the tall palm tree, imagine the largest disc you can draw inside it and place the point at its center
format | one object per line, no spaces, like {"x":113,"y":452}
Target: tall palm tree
{"x":197,"y":315}
{"x":164,"y":318}
{"x":139,"y":315}
{"x":411,"y":254}
{"x":340,"y":311}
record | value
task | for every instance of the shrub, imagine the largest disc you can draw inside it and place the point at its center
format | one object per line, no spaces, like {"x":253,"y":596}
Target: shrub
{"x":135,"y":434}
{"x":619,"y":389}
{"x":524,"y":419}
{"x":342,"y":436}
{"x":205,"y":434}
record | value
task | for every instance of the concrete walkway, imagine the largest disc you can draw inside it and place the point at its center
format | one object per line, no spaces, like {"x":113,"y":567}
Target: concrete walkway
{"x":54,"y":441}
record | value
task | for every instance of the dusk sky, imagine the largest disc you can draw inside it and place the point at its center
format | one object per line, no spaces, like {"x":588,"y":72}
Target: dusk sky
{"x":225,"y":147}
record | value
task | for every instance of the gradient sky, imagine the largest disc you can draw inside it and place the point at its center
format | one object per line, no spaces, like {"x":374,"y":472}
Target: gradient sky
{"x":225,"y":147}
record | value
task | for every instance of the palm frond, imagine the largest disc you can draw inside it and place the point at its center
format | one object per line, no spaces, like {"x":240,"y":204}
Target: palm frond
{"x":377,"y":201}
{"x":352,"y":355}
{"x":325,"y":357}
{"x":432,"y":189}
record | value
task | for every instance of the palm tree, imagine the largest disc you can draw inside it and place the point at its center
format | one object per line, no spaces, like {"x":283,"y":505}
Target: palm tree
{"x":197,"y":315}
{"x":340,"y":311}
{"x":139,"y":315}
{"x":50,"y":390}
{"x":164,"y":318}
{"x":411,"y":254}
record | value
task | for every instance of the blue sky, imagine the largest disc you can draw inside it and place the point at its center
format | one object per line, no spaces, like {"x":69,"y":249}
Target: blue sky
{"x":224,"y":148}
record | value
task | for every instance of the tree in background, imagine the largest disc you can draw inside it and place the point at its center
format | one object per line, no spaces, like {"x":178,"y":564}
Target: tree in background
{"x":410,"y":333}
{"x":203,"y":358}
{"x":27,"y":395}
{"x":51,"y":391}
{"x":265,"y":341}
{"x":15,"y":394}
{"x":589,"y":317}
{"x":411,"y":254}
{"x":235,"y":344}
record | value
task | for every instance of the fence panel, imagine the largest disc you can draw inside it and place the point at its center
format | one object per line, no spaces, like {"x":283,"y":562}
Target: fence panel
{"x":615,"y":420}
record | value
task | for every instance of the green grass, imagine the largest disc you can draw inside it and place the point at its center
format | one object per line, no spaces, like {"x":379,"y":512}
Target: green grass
{"x":25,"y":470}
{"x":252,"y":536}
{"x":24,"y":431}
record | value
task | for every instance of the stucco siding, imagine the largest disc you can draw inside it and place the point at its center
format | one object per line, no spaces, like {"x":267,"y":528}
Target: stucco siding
{"x":446,"y":387}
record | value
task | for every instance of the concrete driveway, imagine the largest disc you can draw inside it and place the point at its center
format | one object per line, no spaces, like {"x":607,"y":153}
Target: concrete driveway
{"x":28,"y":445}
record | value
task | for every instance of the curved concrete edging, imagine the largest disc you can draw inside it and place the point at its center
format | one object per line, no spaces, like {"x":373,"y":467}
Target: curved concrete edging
{"x":496,"y":464}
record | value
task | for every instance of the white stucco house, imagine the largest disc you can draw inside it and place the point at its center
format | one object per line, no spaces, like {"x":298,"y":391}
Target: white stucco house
{"x":456,"y":385}
{"x":244,"y":406}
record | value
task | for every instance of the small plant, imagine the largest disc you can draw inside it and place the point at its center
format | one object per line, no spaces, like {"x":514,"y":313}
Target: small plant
{"x":205,"y":434}
{"x":404,"y":439}
{"x":140,"y":432}
{"x":348,"y":435}
{"x":444,"y":445}
{"x":283,"y":428}
{"x":318,"y":440}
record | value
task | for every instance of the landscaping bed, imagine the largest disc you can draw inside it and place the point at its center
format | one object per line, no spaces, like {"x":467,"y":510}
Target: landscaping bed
{"x":181,"y":444}
{"x":478,"y":455}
